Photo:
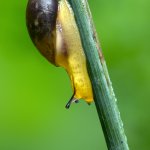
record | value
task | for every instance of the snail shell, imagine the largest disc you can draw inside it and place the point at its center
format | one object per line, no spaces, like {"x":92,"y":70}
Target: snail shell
{"x":41,"y":23}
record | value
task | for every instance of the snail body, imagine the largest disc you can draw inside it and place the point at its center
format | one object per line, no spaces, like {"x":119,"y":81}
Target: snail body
{"x":54,"y":32}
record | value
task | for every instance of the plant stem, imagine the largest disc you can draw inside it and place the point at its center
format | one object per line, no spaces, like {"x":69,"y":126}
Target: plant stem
{"x":104,"y":96}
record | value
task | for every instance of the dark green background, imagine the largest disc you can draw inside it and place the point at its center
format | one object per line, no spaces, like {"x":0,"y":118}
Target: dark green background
{"x":33,"y":93}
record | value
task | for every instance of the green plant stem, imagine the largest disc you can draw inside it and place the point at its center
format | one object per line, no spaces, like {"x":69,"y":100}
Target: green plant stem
{"x":104,"y":97}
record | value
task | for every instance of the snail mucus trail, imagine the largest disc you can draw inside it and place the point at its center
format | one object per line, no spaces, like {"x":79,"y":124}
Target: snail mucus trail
{"x":53,"y":30}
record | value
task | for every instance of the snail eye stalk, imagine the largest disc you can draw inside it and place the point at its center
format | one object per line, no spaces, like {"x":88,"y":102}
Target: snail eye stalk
{"x":72,"y":100}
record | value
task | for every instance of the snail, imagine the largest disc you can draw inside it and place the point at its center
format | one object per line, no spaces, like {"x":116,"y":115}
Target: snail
{"x":53,"y":30}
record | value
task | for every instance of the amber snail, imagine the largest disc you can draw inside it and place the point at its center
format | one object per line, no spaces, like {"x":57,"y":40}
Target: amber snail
{"x":53,"y":30}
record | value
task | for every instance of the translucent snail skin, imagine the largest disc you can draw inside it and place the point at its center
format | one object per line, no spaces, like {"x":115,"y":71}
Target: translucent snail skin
{"x":53,"y":30}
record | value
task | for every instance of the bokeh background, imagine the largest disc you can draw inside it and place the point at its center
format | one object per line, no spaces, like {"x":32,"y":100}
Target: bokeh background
{"x":33,"y":93}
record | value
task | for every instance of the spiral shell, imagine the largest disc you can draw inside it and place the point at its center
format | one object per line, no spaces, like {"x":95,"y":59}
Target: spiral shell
{"x":41,"y":23}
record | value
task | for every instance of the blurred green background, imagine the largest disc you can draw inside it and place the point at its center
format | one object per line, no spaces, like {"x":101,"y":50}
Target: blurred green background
{"x":33,"y":93}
